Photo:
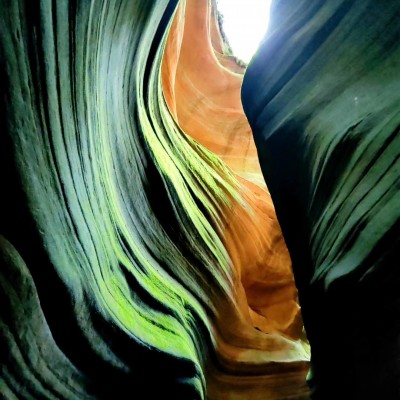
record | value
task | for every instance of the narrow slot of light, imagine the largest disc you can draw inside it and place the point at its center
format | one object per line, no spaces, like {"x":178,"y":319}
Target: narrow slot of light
{"x":245,"y":23}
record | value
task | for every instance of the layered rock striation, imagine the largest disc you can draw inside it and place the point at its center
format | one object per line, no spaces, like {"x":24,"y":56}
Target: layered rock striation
{"x":140,"y":253}
{"x":322,"y":97}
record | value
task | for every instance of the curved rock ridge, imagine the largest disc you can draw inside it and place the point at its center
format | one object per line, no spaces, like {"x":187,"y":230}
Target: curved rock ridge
{"x":204,"y":97}
{"x":130,"y":253}
{"x":322,"y":96}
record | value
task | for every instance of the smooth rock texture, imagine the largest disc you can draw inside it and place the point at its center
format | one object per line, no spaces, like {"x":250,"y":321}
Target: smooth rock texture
{"x":204,"y":98}
{"x":139,"y":257}
{"x":323,"y":99}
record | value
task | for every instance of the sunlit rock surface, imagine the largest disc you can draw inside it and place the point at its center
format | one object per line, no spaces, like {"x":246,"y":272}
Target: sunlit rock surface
{"x":204,"y":97}
{"x":323,"y":99}
{"x":140,"y":253}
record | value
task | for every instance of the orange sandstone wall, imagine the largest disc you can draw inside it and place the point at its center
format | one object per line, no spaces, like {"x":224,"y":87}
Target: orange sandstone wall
{"x":202,"y":91}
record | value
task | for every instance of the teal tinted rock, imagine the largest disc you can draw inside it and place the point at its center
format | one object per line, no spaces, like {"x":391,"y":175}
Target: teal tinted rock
{"x":322,"y":96}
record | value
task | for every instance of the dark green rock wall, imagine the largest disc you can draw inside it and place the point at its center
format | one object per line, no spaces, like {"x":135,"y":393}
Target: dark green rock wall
{"x":323,"y":98}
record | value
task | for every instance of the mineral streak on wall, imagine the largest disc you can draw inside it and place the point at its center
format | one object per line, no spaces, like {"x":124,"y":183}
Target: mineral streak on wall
{"x":323,"y":100}
{"x":137,"y":260}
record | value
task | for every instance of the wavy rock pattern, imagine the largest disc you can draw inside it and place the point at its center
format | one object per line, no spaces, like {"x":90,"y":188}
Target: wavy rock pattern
{"x":127,"y":269}
{"x":323,"y":99}
{"x":140,"y":254}
{"x":205,"y":100}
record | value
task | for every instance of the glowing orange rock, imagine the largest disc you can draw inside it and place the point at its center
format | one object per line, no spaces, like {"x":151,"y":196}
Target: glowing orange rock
{"x":202,"y":89}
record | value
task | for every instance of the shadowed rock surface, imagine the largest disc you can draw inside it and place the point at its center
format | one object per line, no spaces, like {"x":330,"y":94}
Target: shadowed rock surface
{"x":140,"y":252}
{"x":323,"y":100}
{"x":129,"y":250}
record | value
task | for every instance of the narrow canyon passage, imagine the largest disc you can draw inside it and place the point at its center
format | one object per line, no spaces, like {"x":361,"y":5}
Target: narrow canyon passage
{"x":173,"y":221}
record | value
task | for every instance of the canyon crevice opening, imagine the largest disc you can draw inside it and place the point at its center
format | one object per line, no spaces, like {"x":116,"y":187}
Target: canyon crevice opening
{"x":175,"y":223}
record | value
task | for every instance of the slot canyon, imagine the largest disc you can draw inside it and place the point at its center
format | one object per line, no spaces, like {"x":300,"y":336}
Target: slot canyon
{"x":177,"y":224}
